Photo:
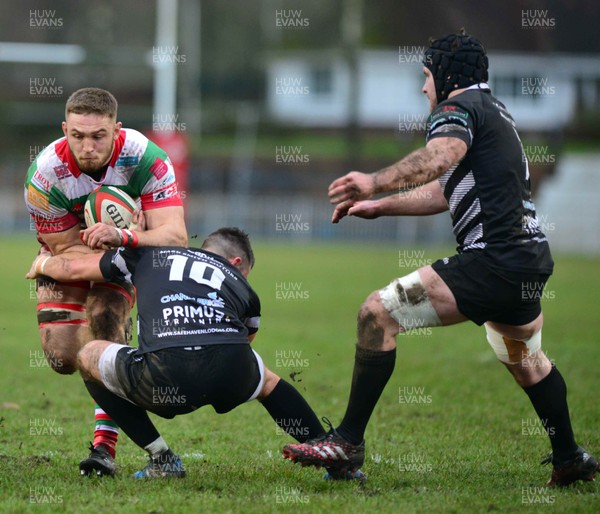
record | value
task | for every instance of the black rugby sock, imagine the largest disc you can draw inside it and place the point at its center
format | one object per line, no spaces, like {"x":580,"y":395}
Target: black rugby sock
{"x":372,"y":370}
{"x":133,"y":420}
{"x":292,"y":413}
{"x":549,"y":399}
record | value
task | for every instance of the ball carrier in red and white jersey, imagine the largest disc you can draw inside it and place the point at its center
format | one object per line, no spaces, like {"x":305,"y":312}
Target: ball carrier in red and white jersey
{"x":94,"y":151}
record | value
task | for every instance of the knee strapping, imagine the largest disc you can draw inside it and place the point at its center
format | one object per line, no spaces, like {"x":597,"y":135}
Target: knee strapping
{"x":513,"y":351}
{"x":407,"y":301}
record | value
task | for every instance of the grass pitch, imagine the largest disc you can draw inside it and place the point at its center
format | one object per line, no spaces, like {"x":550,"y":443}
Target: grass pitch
{"x":452,"y":431}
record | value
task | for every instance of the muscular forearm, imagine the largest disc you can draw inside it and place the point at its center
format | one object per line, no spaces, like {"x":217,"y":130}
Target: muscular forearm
{"x":159,"y":227}
{"x":165,"y":235}
{"x":68,"y":267}
{"x":68,"y":241}
{"x":421,"y":166}
{"x":417,"y":168}
{"x":415,"y":202}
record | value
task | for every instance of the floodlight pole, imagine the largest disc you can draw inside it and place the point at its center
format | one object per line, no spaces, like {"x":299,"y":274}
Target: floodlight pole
{"x":165,"y":69}
{"x":352,"y":30}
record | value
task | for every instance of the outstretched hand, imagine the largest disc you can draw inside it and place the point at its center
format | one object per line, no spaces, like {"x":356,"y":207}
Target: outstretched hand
{"x":346,"y":191}
{"x":352,"y":186}
{"x":366,"y":209}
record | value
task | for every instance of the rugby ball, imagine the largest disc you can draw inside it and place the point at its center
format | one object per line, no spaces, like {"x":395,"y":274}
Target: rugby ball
{"x":110,"y":205}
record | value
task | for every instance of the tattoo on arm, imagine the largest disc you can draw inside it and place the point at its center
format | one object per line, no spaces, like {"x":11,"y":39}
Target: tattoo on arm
{"x":419,"y":167}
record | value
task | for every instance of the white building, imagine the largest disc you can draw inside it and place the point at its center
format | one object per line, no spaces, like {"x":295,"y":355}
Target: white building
{"x":312,"y":88}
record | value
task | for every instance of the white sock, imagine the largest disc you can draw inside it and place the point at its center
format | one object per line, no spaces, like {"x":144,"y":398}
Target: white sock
{"x":157,"y":446}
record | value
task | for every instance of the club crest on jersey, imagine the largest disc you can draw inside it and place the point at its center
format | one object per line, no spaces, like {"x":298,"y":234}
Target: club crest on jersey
{"x":62,"y":171}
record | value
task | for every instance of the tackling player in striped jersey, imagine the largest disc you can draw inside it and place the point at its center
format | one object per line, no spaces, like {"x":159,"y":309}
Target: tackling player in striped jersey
{"x":197,"y":315}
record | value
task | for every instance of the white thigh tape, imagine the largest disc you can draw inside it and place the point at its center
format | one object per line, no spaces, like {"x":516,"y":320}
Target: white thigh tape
{"x":407,"y":301}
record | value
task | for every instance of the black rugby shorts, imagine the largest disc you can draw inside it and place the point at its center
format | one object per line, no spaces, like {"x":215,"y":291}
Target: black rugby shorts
{"x":485,"y":293}
{"x":176,"y":381}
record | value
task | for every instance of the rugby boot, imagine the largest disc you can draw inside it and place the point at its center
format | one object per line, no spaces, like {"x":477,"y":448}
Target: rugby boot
{"x":163,"y":465}
{"x":100,"y":462}
{"x":582,"y":466}
{"x":330,"y":450}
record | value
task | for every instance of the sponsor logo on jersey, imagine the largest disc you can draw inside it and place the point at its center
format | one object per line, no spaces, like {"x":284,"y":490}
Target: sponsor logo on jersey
{"x":36,"y":198}
{"x":40,"y":179}
{"x":214,"y":300}
{"x":62,"y":171}
{"x":128,"y":160}
{"x":446,"y":110}
{"x":165,"y":193}
{"x":159,"y":168}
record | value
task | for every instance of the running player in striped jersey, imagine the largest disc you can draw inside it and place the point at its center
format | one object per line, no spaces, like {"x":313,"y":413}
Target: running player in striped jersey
{"x":95,"y":151}
{"x":474,"y":166}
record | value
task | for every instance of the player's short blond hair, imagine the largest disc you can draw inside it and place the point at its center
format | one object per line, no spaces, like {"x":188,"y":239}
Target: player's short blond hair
{"x":92,"y":100}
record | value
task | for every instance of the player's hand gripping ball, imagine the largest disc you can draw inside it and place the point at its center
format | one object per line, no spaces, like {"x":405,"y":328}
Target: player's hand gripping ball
{"x":110,"y":205}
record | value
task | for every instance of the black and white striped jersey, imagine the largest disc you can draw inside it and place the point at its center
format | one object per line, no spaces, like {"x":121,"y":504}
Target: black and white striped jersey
{"x":488,"y":192}
{"x":185,"y":296}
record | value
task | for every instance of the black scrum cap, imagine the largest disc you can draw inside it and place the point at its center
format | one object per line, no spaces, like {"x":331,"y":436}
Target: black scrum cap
{"x":456,"y":61}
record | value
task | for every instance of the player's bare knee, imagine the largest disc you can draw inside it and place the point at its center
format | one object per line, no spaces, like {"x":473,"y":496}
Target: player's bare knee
{"x":60,"y":358}
{"x":83,"y":362}
{"x":371,"y":327}
{"x":62,"y":364}
{"x":88,"y":358}
{"x":531,"y":370}
{"x":270,"y":382}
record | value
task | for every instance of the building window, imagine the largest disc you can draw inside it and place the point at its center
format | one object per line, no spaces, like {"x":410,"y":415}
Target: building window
{"x":321,"y":80}
{"x":521,"y":87}
{"x":505,"y":86}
